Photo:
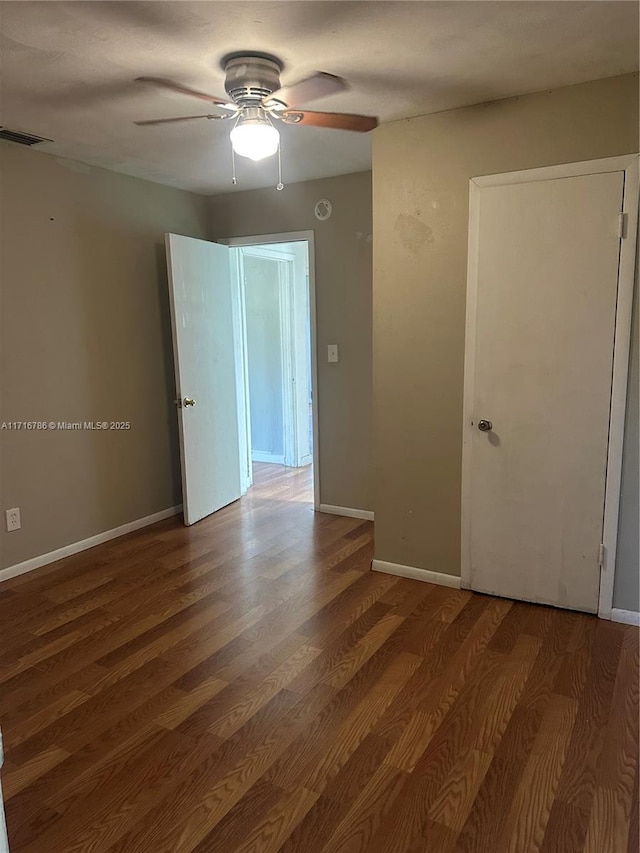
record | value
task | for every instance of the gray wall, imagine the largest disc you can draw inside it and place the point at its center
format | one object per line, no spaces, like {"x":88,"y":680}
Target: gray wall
{"x":85,"y":335}
{"x":626,"y":592}
{"x":421,"y":172}
{"x":343,"y":301}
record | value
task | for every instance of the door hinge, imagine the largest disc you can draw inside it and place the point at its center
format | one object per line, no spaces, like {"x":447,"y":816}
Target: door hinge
{"x":622,"y":225}
{"x":601,"y":555}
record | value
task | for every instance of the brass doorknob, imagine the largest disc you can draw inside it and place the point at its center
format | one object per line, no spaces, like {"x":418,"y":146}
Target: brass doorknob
{"x":188,"y":402}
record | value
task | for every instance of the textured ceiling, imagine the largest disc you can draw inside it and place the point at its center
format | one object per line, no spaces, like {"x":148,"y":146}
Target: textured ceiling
{"x":68,"y":70}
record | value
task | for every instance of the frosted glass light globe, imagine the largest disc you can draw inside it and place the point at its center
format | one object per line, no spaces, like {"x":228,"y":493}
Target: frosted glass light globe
{"x":255,"y":139}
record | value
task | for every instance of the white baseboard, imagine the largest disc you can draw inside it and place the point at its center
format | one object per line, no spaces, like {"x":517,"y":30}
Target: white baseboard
{"x":414,"y":573}
{"x":85,"y":544}
{"x":347,"y":511}
{"x":629,"y":617}
{"x":263,"y":456}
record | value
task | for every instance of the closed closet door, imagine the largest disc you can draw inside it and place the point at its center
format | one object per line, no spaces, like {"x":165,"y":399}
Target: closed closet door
{"x":539,"y":380}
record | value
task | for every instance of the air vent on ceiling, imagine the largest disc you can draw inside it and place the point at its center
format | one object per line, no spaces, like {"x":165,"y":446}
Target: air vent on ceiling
{"x":20,"y":137}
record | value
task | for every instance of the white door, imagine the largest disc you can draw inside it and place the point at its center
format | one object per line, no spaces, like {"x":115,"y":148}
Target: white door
{"x":205,"y":365}
{"x":546,"y":274}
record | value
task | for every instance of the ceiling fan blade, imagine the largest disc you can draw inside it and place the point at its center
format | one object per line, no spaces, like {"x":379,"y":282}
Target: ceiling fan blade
{"x":319,"y":85}
{"x":161,"y":83}
{"x":339,"y":121}
{"x":169,"y":120}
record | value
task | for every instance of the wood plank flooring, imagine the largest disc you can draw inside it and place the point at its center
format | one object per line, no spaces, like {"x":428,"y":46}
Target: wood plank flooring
{"x":248,"y":685}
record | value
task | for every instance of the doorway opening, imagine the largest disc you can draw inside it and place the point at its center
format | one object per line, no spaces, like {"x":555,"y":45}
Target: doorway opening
{"x":275,"y":328}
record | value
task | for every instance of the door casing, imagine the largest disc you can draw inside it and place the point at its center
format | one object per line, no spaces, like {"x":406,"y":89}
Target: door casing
{"x":629,"y":164}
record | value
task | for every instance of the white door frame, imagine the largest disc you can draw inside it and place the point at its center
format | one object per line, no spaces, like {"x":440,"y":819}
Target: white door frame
{"x":621,"y":349}
{"x":294,"y":237}
{"x":240,"y":335}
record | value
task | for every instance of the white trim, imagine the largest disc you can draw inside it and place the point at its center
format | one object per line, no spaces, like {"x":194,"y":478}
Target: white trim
{"x":564,"y":170}
{"x":621,"y":355}
{"x":622,"y":344}
{"x":265,"y":456}
{"x":416,"y":574}
{"x":236,"y":262}
{"x":289,"y":377}
{"x":293,"y":237}
{"x":265,"y":253}
{"x":260,"y":239}
{"x":347,"y":511}
{"x":314,"y":367}
{"x":85,"y":544}
{"x":469,"y":381}
{"x":628,"y":617}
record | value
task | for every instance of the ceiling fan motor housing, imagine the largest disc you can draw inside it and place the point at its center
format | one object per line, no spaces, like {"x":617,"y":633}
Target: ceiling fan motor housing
{"x":249,"y":79}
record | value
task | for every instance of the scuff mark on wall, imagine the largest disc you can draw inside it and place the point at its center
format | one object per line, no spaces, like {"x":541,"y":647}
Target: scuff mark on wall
{"x":413,"y":233}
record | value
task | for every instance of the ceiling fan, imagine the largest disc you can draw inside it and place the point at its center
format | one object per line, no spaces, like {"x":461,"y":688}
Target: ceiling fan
{"x":256,"y":97}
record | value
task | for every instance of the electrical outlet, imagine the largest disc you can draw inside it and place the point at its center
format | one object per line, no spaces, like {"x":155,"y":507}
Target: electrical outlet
{"x":13,"y":519}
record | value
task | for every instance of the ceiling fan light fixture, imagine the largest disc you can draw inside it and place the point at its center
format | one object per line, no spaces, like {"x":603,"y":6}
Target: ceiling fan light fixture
{"x":254,"y":136}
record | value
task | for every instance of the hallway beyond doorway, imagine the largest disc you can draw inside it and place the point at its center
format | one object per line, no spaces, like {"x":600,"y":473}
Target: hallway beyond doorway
{"x":278,"y":482}
{"x":275,"y":353}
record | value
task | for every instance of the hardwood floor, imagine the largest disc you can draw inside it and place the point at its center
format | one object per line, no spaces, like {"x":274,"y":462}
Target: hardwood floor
{"x":249,"y":685}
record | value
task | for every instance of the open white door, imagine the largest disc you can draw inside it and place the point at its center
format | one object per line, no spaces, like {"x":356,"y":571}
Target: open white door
{"x":204,"y":357}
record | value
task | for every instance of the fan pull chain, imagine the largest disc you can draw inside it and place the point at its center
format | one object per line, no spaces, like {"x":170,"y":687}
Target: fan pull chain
{"x":279,"y":185}
{"x":233,"y":167}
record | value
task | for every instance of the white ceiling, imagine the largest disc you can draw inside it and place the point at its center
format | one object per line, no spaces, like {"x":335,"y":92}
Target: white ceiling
{"x":68,"y":71}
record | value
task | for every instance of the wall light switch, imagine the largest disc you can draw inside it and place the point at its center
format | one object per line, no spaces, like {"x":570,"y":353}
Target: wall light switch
{"x":332,"y":353}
